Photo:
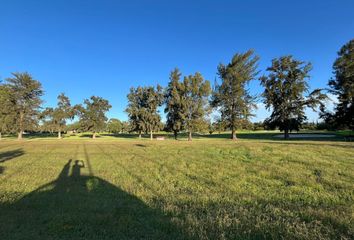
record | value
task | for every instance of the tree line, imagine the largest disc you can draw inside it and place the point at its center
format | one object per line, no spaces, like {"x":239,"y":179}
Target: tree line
{"x":189,"y":100}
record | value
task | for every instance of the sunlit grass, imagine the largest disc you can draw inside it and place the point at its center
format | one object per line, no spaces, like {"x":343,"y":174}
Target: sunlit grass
{"x":211,"y":189}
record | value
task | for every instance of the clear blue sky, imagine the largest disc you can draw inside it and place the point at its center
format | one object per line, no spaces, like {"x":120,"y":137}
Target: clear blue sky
{"x":103,"y":48}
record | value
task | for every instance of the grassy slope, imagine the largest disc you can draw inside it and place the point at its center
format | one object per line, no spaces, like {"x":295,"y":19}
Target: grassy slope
{"x":213,"y":189}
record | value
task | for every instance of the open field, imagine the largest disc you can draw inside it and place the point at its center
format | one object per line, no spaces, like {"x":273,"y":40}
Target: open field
{"x":112,"y":188}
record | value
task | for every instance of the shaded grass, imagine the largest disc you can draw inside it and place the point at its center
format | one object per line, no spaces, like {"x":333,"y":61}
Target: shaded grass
{"x":242,"y":134}
{"x":213,"y":189}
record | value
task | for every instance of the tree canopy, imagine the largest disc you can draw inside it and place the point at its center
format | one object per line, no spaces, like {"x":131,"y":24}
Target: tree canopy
{"x":7,"y":113}
{"x":195,"y":93}
{"x":285,"y":87}
{"x":93,"y":114}
{"x":231,"y":97}
{"x":174,"y":106}
{"x":58,"y":116}
{"x":114,"y":125}
{"x":25,"y":97}
{"x":143,"y":104}
{"x":342,"y":86}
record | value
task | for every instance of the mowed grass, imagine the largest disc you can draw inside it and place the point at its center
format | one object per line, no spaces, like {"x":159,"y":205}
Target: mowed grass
{"x":209,"y":189}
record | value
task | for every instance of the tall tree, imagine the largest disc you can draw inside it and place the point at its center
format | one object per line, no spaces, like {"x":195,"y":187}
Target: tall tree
{"x":231,"y":97}
{"x":143,"y":104}
{"x":153,"y":99}
{"x":93,"y":115}
{"x":135,"y":111}
{"x":342,"y":85}
{"x":58,"y":116}
{"x":26,"y":95}
{"x":285,"y":87}
{"x":196,"y":92}
{"x":7,"y":116}
{"x":174,"y":108}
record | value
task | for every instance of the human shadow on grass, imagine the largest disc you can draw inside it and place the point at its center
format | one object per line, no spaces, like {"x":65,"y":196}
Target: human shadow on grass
{"x":8,"y":155}
{"x":75,"y":206}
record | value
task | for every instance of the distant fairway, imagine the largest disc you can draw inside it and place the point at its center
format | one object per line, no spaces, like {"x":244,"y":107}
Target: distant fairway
{"x":210,"y":189}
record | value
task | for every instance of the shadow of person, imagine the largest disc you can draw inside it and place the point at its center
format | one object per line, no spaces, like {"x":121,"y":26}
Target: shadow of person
{"x":75,"y":206}
{"x":8,"y":155}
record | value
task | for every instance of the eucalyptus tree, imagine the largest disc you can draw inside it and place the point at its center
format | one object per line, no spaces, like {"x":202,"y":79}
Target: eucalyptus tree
{"x":59,"y":115}
{"x":231,"y":97}
{"x":174,"y":107}
{"x":26,"y":101}
{"x":284,"y":94}
{"x":342,"y":86}
{"x":195,"y":92}
{"x":93,"y":114}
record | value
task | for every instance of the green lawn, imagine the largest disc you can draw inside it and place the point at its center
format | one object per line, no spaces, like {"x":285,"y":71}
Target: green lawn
{"x":205,"y":189}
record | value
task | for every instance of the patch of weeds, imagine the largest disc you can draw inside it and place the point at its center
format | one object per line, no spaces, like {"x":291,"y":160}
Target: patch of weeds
{"x":318,"y":174}
{"x":289,"y":183}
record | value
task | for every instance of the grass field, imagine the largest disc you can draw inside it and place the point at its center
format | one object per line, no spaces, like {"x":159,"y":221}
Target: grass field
{"x":255,"y":188}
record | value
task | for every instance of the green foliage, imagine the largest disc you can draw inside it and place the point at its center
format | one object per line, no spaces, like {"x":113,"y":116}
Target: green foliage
{"x":114,"y":125}
{"x":7,"y":111}
{"x":143,"y":104}
{"x":92,"y":116}
{"x":194,"y":93}
{"x":186,"y":103}
{"x":285,"y":87}
{"x":174,"y":104}
{"x":342,"y":85}
{"x":57,"y":116}
{"x":25,"y":98}
{"x":231,"y":97}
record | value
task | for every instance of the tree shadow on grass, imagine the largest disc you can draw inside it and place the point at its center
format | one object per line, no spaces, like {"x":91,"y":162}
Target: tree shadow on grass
{"x":8,"y":155}
{"x":83,"y":207}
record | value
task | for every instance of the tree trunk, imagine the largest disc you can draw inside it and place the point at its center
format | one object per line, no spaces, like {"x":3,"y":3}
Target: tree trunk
{"x":21,"y":126}
{"x":0,"y":136}
{"x":59,"y":134}
{"x":190,"y":136}
{"x":286,"y":134}
{"x":175,"y":133}
{"x":233,"y":134}
{"x":19,"y":137}
{"x":151,"y":136}
{"x":139,"y":134}
{"x":94,"y":135}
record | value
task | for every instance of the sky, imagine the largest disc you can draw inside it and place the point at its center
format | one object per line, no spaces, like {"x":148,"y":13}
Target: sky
{"x":104,"y":47}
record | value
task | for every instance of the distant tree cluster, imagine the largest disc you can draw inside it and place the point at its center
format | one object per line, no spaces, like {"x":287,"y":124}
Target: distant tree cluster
{"x":20,"y":102}
{"x":189,"y":101}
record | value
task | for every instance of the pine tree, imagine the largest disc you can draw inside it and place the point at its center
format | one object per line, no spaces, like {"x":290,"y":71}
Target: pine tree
{"x":231,"y":97}
{"x":195,"y":93}
{"x":7,"y":116}
{"x":174,"y":107}
{"x":285,"y":87}
{"x":26,"y":100}
{"x":342,"y":85}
